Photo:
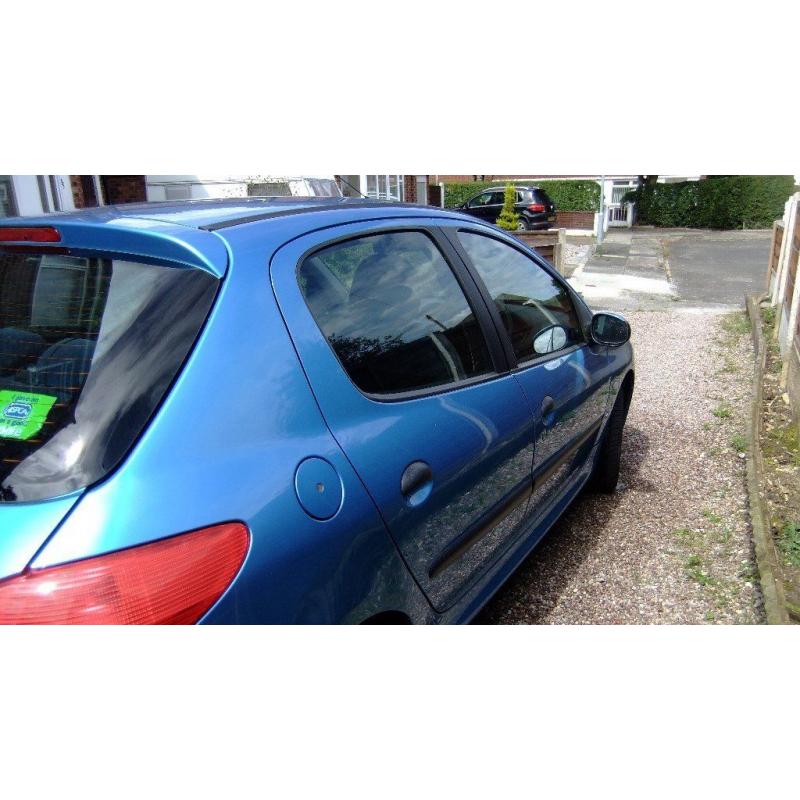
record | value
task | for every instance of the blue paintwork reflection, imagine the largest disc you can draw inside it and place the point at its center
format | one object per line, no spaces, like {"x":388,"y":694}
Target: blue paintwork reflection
{"x":197,"y":463}
{"x":478,"y":441}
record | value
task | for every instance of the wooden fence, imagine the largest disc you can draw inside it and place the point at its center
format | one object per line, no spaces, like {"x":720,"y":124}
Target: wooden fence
{"x":775,"y":252}
{"x":783,"y":289}
{"x":549,"y":244}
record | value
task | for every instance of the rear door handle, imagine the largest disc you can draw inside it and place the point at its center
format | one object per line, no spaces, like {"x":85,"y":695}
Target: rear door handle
{"x":548,"y":405}
{"x":416,"y":479}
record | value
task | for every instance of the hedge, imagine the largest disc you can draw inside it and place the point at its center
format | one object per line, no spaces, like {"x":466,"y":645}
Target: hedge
{"x":567,"y":195}
{"x":722,"y":202}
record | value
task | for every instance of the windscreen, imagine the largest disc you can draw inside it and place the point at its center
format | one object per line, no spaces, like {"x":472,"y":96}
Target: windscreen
{"x":88,"y":349}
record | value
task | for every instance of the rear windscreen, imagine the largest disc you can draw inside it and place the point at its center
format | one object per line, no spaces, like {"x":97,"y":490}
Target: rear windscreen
{"x":88,"y":349}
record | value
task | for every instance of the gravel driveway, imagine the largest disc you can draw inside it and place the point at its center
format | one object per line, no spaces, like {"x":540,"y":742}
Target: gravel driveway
{"x":673,"y":544}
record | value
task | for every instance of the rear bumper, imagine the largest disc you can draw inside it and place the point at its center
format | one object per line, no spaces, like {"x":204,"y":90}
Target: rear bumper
{"x":539,"y":221}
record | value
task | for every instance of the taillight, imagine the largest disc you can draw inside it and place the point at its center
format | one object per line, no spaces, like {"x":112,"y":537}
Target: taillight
{"x":172,"y":581}
{"x":535,"y":207}
{"x":29,"y":235}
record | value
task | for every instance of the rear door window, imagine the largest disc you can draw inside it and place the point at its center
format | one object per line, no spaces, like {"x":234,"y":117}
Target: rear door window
{"x":394,"y":314}
{"x":529,"y":299}
{"x":88,"y":349}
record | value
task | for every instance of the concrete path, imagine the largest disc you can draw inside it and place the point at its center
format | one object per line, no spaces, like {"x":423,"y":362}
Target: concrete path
{"x":652,"y":269}
{"x":627,"y":272}
{"x":718,"y":268}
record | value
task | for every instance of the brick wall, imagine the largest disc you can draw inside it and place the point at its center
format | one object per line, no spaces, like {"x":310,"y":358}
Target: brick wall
{"x":575,"y":219}
{"x":410,"y":188}
{"x":116,"y":189}
{"x":123,"y":189}
{"x":77,"y":191}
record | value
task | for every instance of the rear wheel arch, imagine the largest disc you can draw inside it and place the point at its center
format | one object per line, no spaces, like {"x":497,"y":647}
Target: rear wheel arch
{"x":627,"y":389}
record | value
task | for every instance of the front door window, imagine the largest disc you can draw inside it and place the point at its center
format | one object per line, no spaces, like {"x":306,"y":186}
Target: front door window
{"x":529,"y":299}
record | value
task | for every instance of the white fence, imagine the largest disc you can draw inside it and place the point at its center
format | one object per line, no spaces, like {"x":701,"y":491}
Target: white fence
{"x":782,"y":285}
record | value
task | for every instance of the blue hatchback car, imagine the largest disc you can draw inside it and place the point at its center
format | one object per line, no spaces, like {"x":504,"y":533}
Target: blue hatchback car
{"x":288,"y":411}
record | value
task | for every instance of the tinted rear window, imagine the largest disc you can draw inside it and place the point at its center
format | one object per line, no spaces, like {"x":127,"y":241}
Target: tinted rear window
{"x":88,"y":349}
{"x":394,"y":314}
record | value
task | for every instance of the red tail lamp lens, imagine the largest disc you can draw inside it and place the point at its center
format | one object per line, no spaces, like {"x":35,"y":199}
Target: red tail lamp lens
{"x":170,"y":582}
{"x":29,"y":235}
{"x":535,"y":207}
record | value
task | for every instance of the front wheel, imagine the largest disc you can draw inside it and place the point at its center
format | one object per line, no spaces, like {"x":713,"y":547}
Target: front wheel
{"x":606,"y":469}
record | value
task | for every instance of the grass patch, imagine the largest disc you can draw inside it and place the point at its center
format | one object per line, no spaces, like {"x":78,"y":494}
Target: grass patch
{"x":688,"y":537}
{"x":713,"y":518}
{"x":724,"y":536}
{"x":736,"y":324}
{"x":694,"y":570}
{"x":739,"y":443}
{"x":786,"y":437}
{"x":729,"y":367}
{"x":748,"y":572}
{"x":722,"y":411}
{"x":768,"y":318}
{"x":789,"y":543}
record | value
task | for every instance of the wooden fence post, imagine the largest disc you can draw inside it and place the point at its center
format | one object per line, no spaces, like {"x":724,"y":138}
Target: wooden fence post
{"x":794,"y":301}
{"x":771,"y":256}
{"x":561,"y":244}
{"x":790,"y":220}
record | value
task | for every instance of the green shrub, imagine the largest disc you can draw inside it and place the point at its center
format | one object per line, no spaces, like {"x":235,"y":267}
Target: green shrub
{"x":567,"y":195}
{"x":722,"y":202}
{"x":457,"y":193}
{"x":508,"y":219}
{"x":573,"y":195}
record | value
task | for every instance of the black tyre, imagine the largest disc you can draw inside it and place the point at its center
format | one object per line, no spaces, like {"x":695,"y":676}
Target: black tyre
{"x":606,"y":470}
{"x":522,"y":225}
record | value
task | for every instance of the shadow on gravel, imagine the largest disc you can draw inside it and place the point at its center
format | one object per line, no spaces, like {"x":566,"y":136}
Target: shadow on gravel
{"x":535,"y":588}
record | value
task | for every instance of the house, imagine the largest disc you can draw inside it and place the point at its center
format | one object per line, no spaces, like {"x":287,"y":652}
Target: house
{"x":615,"y":187}
{"x":193,"y":187}
{"x":402,"y":188}
{"x":28,"y":195}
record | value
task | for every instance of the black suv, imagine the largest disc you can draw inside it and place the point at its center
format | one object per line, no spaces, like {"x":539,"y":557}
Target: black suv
{"x":535,"y":209}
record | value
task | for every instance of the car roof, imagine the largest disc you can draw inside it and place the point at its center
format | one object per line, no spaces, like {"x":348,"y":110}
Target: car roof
{"x":192,"y":231}
{"x":213,"y":214}
{"x":501,"y":187}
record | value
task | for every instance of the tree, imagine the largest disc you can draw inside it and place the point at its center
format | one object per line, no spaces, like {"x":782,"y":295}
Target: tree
{"x":509,"y":219}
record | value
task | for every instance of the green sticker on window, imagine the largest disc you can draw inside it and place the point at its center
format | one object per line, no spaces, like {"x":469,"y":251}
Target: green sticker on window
{"x":22,"y":414}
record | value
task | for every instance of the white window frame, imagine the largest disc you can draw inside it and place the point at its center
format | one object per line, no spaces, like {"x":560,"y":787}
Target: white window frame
{"x":384,"y":187}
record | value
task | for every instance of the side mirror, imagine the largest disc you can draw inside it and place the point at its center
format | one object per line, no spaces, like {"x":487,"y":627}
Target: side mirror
{"x":549,"y":340}
{"x":610,"y":329}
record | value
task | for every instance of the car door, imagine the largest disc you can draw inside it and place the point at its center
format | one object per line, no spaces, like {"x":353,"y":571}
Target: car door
{"x":409,"y":372}
{"x":494,"y":206}
{"x":479,"y":206}
{"x":564,"y":375}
